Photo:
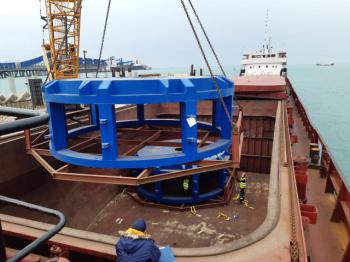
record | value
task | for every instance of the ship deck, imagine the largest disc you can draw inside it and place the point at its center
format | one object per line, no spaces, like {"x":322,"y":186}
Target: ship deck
{"x":107,"y":209}
{"x":113,"y":211}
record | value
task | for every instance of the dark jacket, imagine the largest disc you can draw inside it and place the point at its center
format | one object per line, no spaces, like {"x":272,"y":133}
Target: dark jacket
{"x":136,"y":248}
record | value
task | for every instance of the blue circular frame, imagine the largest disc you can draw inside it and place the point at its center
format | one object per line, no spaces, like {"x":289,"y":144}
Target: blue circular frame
{"x":102,"y":95}
{"x":136,"y":91}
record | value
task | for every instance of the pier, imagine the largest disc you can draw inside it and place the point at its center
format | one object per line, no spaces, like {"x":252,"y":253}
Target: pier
{"x":36,"y":67}
{"x":27,"y":72}
{"x":41,"y":71}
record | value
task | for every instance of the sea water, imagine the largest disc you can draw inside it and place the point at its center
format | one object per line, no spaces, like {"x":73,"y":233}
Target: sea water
{"x":324,"y":91}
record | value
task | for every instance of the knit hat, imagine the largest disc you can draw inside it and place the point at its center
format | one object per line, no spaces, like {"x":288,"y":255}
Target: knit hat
{"x":139,"y":224}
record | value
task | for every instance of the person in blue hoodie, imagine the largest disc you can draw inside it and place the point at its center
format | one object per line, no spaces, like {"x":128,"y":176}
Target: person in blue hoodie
{"x":134,"y":245}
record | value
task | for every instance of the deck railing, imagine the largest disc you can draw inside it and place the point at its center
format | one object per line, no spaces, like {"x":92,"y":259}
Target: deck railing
{"x":39,"y":241}
{"x":329,"y":169}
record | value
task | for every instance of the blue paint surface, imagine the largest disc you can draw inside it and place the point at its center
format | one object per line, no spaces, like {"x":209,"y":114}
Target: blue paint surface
{"x":106,"y":93}
{"x":166,"y":255}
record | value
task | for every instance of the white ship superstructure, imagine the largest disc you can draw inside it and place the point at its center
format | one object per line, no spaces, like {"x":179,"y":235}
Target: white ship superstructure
{"x":264,"y":62}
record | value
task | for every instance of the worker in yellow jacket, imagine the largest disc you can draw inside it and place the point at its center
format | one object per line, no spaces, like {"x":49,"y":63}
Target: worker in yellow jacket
{"x":242,"y":188}
{"x":186,"y":184}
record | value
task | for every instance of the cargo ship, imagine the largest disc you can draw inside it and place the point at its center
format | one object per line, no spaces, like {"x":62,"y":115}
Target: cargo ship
{"x":325,"y":64}
{"x":264,"y":62}
{"x":289,"y":168}
{"x":170,"y":150}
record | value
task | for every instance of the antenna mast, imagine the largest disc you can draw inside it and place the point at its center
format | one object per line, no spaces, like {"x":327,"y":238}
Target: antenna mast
{"x":267,"y":36}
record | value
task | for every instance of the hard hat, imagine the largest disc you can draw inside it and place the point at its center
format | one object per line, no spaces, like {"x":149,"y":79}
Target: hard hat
{"x":139,"y":224}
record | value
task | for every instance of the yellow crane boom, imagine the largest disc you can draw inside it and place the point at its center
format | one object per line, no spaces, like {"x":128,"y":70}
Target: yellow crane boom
{"x":63,"y":19}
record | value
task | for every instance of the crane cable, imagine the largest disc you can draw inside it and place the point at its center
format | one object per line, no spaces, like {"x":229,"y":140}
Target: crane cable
{"x":207,"y":37}
{"x":42,"y":18}
{"x":103,"y":37}
{"x":228,"y":115}
{"x":211,"y":46}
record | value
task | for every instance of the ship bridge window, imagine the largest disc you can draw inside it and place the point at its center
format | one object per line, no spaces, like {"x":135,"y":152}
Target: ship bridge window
{"x":267,"y":66}
{"x":273,"y":55}
{"x":282,"y":55}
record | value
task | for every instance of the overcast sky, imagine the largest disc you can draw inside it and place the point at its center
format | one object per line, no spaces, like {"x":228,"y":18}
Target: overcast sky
{"x":157,"y":32}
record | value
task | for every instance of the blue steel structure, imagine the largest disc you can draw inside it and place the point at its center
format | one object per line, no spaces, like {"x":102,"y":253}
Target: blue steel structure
{"x":103,"y":95}
{"x":202,"y":187}
{"x":39,"y":59}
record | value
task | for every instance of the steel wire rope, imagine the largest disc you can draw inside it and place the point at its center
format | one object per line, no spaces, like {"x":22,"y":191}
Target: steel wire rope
{"x":210,"y":44}
{"x":207,"y":63}
{"x":207,"y":37}
{"x":103,"y":37}
{"x":42,"y":17}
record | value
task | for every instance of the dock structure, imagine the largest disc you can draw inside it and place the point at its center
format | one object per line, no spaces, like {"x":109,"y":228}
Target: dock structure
{"x":36,"y":67}
{"x":41,"y":71}
{"x":18,"y":72}
{"x":121,"y":70}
